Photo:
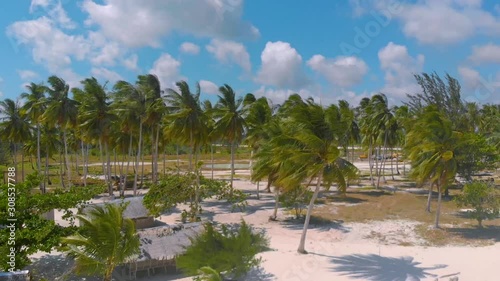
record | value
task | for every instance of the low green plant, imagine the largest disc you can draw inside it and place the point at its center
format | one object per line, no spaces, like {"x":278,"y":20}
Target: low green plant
{"x":296,"y":199}
{"x":228,"y":249}
{"x":483,"y":198}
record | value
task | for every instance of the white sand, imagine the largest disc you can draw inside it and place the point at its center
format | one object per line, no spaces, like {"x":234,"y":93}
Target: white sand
{"x":351,"y":251}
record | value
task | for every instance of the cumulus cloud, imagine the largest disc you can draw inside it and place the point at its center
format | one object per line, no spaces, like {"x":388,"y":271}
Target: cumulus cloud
{"x":106,"y":74}
{"x":226,"y":51}
{"x":189,"y":48}
{"x":131,"y":62}
{"x":208,"y":87}
{"x":447,"y":22}
{"x":281,"y":66}
{"x":27,"y":74}
{"x":154,"y":19}
{"x":167,"y":70}
{"x":399,"y":68}
{"x":479,"y":88}
{"x":341,"y":71}
{"x":50,"y":46}
{"x":489,"y":53}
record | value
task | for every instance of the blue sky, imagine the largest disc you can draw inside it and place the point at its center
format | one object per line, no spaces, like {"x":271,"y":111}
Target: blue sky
{"x":328,"y":50}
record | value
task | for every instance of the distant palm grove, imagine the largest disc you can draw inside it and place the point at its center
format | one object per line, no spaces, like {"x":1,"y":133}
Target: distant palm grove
{"x":297,"y":141}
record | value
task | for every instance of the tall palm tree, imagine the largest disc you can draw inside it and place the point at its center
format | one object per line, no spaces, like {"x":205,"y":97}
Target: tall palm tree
{"x":229,"y":114}
{"x":186,"y":124}
{"x":96,"y":117}
{"x":258,"y":117}
{"x":430,"y":145}
{"x":15,"y":127}
{"x":155,"y":110}
{"x":107,"y":240}
{"x":61,"y":111}
{"x":34,"y":108}
{"x":130,"y":101}
{"x":308,"y":150}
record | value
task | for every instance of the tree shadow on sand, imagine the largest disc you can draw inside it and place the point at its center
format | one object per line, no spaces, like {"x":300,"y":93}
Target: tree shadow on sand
{"x":490,"y":232}
{"x":377,"y":268}
{"x":317,"y":223}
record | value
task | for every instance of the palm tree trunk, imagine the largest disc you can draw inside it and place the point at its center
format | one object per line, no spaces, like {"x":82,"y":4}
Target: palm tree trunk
{"x":137,"y":159}
{"x":370,"y":160}
{"x":157,"y":140}
{"x":438,"y":208}
{"x":66,"y":157}
{"x":164,"y":160}
{"x":142,"y":168}
{"x":192,"y":152}
{"x":61,"y":169}
{"x":124,"y":185}
{"x":258,"y":187}
{"x":47,"y":179}
{"x":197,"y":184}
{"x":178,"y":160}
{"x":233,"y":146}
{"x":22,"y":162}
{"x":276,"y":203}
{"x":153,"y":160}
{"x":302,"y":243}
{"x":212,"y":158}
{"x":38,"y":155}
{"x":108,"y":169}
{"x":429,"y":198}
{"x":103,"y":162}
{"x":14,"y":157}
{"x":85,"y":163}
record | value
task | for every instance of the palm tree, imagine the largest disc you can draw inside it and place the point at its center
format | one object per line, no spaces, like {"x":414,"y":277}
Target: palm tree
{"x":186,"y":124}
{"x":107,"y":240}
{"x":155,"y":110}
{"x":430,"y":145}
{"x":308,"y":150}
{"x":96,"y":117}
{"x":34,"y":108}
{"x":258,"y":117}
{"x":15,"y":127}
{"x":130,"y":102}
{"x":61,"y":111}
{"x":229,"y":114}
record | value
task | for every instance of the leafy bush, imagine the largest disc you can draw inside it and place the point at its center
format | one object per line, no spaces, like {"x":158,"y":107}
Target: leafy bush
{"x":296,"y":199}
{"x":483,"y":198}
{"x":229,"y":249}
{"x":177,"y":188}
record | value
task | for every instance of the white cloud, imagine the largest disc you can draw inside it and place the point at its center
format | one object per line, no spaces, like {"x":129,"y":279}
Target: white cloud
{"x":489,"y":53}
{"x":131,"y":62}
{"x":167,"y":70}
{"x":107,"y":55}
{"x":189,"y":48}
{"x":447,"y":22}
{"x":208,"y":87}
{"x":478,"y":88}
{"x":227,"y":51}
{"x":27,"y":74}
{"x":106,"y":74}
{"x":39,"y":3}
{"x":144,"y":23}
{"x":54,"y":9}
{"x":280,"y":95}
{"x":399,"y":68}
{"x":341,"y":71}
{"x":281,"y":66}
{"x":50,"y":46}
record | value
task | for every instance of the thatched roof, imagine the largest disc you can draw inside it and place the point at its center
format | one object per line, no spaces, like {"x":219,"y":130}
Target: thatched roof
{"x":167,"y":242}
{"x":135,"y":208}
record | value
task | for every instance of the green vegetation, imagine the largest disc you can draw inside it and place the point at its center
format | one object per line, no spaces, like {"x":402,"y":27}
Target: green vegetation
{"x":229,"y":250}
{"x":32,"y":231}
{"x":105,"y":240}
{"x":484,"y":200}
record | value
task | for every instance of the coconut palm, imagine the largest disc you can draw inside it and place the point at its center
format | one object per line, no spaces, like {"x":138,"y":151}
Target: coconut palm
{"x":155,"y":110}
{"x":15,"y":127}
{"x":186,"y":124}
{"x":107,"y":240}
{"x":62,"y":112}
{"x":130,"y":102}
{"x":229,"y":114}
{"x":96,"y":118}
{"x":431,"y":144}
{"x":308,"y":150}
{"x":34,"y":108}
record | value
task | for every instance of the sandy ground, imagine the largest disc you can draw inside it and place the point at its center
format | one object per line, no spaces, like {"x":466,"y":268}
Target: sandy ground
{"x":337,"y":251}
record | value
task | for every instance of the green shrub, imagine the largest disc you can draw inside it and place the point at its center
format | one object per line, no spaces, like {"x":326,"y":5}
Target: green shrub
{"x":296,"y":199}
{"x":483,"y":198}
{"x":229,"y":249}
